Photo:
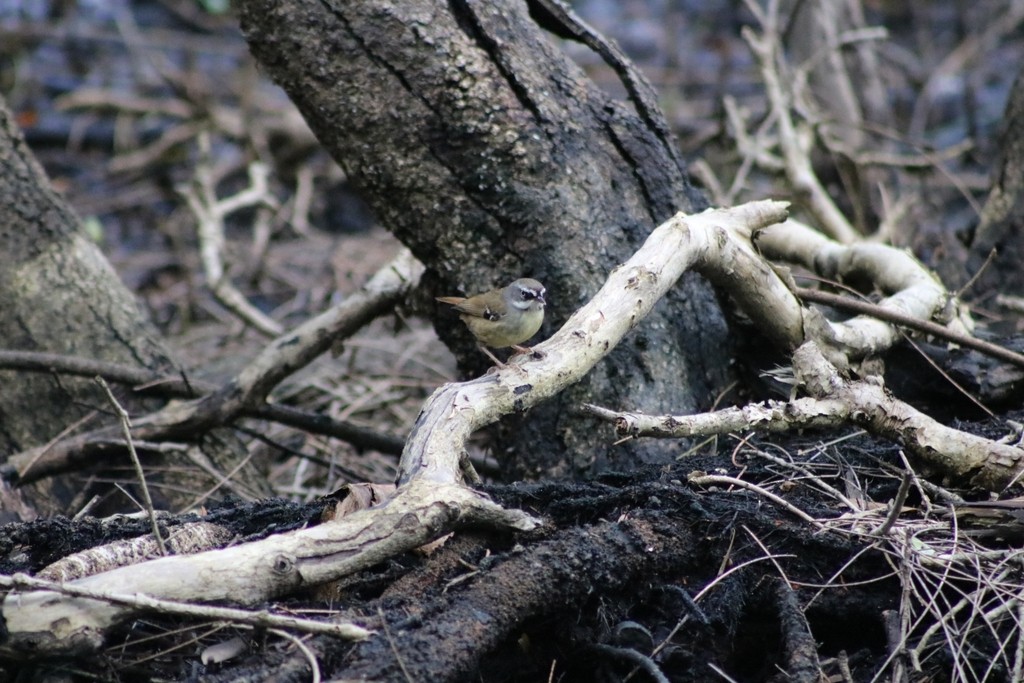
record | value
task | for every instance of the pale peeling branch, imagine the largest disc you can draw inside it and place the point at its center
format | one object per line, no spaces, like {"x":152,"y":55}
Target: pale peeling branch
{"x":910,"y":288}
{"x":182,"y":540}
{"x":140,"y":602}
{"x":45,"y":621}
{"x":949,"y":453}
{"x":769,"y":416}
{"x":940,"y":450}
{"x":701,"y":241}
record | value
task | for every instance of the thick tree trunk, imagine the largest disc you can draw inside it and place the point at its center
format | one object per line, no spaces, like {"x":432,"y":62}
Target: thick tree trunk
{"x":492,"y":156}
{"x":58,"y":294}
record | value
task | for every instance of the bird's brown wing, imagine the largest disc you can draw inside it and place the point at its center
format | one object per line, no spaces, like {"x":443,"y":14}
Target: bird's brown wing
{"x":470,"y":307}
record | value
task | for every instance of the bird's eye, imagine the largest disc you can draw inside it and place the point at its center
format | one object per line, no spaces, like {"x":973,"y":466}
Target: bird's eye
{"x":528,"y":294}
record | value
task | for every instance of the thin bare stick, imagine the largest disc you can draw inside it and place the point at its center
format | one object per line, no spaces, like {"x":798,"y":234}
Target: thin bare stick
{"x":714,"y":479}
{"x":306,"y":652}
{"x":897,"y":506}
{"x":707,"y":589}
{"x":210,"y":213}
{"x":393,"y":646}
{"x":793,"y":139}
{"x":298,"y":347}
{"x":825,"y":486}
{"x":126,"y":431}
{"x":141,"y":601}
{"x":146,"y":381}
{"x":926,"y":326}
{"x":1018,"y":651}
{"x":768,"y":554}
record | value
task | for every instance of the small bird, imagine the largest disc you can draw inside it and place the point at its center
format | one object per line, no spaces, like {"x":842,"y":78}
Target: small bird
{"x":502,"y":317}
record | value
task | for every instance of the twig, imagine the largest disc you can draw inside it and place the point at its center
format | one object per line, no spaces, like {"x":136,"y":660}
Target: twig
{"x":713,"y":479}
{"x":860,"y":298}
{"x":770,"y":416}
{"x":920,"y":160}
{"x":307,"y":653}
{"x":897,"y":506}
{"x":718,"y":670}
{"x":210,"y":213}
{"x":846,"y":585}
{"x":261,"y":618}
{"x":393,"y":646}
{"x":36,"y":455}
{"x":1018,"y":651}
{"x":825,"y":486}
{"x":146,"y":381}
{"x":126,"y":431}
{"x":297,"y":348}
{"x":898,"y":313}
{"x":768,"y":554}
{"x":362,"y":438}
{"x":707,"y":589}
{"x":908,"y":469}
{"x":913,"y":323}
{"x":38,"y":361}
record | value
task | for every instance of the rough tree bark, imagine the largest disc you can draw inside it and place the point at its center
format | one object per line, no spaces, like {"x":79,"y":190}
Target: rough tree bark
{"x":58,"y":294}
{"x":492,"y":156}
